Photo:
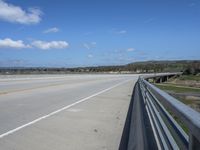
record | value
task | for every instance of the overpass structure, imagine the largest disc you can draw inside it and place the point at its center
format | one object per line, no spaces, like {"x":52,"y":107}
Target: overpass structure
{"x":157,"y":120}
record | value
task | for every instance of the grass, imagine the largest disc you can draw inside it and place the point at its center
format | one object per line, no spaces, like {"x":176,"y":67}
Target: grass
{"x":187,"y":102}
{"x":180,"y":89}
{"x":177,"y":89}
{"x":190,"y":77}
{"x":183,"y":126}
{"x":172,"y":89}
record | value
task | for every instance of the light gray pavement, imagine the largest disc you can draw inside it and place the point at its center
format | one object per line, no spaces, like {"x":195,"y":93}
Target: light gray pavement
{"x":96,"y":123}
{"x":10,"y":83}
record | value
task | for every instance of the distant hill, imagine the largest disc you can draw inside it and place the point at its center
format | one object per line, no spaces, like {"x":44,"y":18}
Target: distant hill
{"x":191,"y":66}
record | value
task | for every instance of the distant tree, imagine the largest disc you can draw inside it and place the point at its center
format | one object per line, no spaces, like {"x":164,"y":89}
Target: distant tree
{"x":193,"y":69}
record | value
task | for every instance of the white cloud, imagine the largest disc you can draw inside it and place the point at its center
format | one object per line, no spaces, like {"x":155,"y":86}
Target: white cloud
{"x":50,"y":45}
{"x":118,"y":31}
{"x":89,"y":45}
{"x":9,"y":43}
{"x":86,"y":45}
{"x":121,"y":32}
{"x":16,"y":14}
{"x":52,"y":30}
{"x":90,"y":56}
{"x":130,"y":49}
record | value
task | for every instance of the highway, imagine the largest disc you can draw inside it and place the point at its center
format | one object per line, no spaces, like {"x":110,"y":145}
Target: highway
{"x":63,"y":111}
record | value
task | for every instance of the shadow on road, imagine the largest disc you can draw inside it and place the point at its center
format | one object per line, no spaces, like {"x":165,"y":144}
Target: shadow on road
{"x":137,"y":133}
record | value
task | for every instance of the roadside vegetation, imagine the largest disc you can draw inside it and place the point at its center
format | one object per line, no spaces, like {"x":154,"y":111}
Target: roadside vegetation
{"x":177,"y":89}
{"x":190,"y":77}
{"x":185,"y":88}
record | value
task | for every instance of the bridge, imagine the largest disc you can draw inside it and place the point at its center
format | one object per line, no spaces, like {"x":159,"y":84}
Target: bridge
{"x":88,"y":112}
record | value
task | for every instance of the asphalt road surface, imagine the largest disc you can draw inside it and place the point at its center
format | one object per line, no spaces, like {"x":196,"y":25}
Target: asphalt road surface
{"x":63,"y":111}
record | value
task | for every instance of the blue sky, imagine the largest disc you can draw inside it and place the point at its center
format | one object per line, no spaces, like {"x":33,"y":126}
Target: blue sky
{"x":71,"y":33}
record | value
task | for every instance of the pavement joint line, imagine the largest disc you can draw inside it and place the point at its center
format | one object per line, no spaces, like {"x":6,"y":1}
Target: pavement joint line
{"x":59,"y":110}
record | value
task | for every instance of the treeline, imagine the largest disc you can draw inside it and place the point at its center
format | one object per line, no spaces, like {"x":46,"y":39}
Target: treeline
{"x":186,"y":66}
{"x":192,"y":69}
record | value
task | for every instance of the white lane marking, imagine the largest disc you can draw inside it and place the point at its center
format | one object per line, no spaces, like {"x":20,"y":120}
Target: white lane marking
{"x":74,"y":110}
{"x":59,"y":110}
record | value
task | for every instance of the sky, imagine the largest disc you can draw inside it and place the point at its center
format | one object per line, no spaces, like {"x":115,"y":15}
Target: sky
{"x":73,"y":33}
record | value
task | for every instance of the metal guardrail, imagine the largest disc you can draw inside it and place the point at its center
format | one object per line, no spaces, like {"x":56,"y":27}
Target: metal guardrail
{"x":160,"y":107}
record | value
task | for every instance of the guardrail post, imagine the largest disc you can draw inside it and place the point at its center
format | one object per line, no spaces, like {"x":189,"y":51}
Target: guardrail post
{"x":154,"y":80}
{"x":194,"y":144}
{"x":161,"y":79}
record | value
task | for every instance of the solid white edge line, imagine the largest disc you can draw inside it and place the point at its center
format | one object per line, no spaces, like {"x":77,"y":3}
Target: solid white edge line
{"x":59,"y":110}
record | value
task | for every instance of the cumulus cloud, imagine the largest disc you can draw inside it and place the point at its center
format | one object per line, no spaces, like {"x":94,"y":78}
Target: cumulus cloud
{"x":130,"y":49}
{"x":16,"y":14}
{"x":9,"y":43}
{"x":50,"y":45}
{"x":52,"y":30}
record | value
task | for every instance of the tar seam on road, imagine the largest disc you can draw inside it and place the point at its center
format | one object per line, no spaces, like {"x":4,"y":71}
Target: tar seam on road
{"x":59,"y":110}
